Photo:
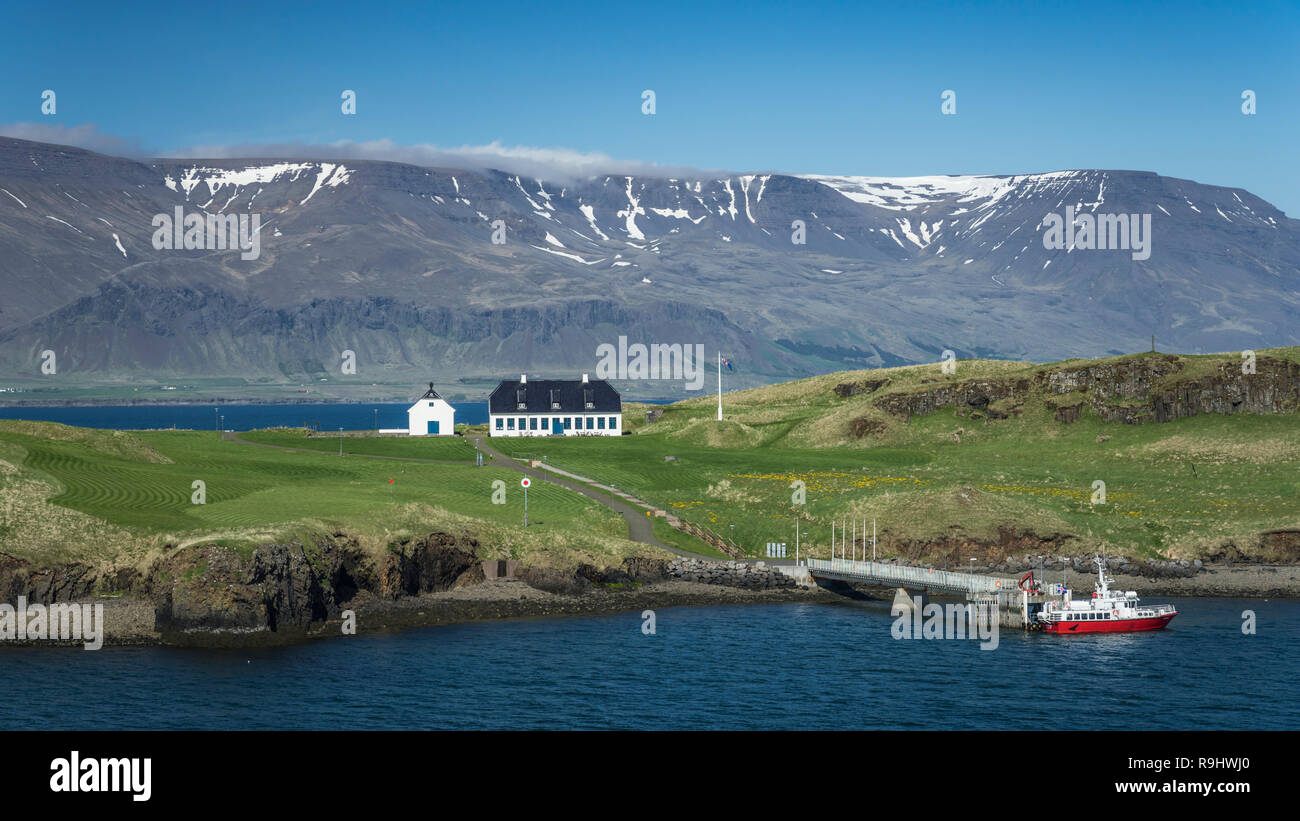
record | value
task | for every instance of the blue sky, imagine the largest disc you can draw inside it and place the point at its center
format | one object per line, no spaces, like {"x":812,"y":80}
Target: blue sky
{"x":848,"y":88}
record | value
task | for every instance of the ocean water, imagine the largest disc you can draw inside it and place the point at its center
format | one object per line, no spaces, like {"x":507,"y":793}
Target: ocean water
{"x":243,"y":417}
{"x":780,"y":666}
{"x":237,"y":417}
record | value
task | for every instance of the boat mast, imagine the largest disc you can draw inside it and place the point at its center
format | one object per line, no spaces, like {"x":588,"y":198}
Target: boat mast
{"x":1103,"y":583}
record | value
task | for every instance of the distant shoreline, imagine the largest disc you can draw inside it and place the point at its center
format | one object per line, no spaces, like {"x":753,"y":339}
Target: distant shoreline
{"x":121,"y":403}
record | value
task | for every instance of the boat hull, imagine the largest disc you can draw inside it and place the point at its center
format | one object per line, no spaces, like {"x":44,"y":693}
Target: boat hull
{"x":1112,"y":626}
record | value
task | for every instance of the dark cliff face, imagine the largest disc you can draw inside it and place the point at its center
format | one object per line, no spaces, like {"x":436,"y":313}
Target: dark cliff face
{"x":46,"y":585}
{"x":1273,"y":388}
{"x":974,"y":394}
{"x":1132,"y":391}
{"x":430,"y":565}
{"x":279,"y":588}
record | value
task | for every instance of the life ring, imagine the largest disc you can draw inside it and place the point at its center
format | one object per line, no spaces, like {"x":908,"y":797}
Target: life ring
{"x":999,"y":583}
{"x":1114,"y":613}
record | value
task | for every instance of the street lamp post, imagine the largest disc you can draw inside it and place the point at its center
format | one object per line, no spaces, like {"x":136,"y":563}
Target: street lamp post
{"x":340,"y":440}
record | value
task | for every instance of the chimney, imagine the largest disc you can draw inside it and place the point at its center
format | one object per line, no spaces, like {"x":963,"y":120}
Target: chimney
{"x":523,"y":379}
{"x":584,"y":379}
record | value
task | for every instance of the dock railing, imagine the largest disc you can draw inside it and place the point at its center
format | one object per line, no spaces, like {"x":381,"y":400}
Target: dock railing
{"x":916,"y":576}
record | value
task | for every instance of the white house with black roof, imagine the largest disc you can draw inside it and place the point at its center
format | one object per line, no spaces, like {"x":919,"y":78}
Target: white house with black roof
{"x":431,"y":415}
{"x":555,"y":407}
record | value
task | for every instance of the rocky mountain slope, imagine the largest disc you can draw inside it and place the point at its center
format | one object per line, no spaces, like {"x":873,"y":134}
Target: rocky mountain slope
{"x":396,"y":263}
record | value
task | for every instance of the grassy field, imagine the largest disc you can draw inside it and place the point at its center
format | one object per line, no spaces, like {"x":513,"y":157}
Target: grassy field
{"x":114,"y":497}
{"x":1175,"y":489}
{"x":450,"y":448}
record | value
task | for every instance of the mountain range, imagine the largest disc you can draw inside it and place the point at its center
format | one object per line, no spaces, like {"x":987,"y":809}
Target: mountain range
{"x":396,"y":263}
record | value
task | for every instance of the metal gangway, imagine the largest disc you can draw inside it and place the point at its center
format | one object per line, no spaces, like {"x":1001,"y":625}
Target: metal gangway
{"x":849,"y":570}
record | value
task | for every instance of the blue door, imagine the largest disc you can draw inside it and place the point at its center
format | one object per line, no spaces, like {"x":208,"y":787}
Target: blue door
{"x":433,"y":428}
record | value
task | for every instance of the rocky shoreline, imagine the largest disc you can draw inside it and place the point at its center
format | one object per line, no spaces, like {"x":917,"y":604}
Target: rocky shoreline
{"x":132,"y":622}
{"x":212,"y":596}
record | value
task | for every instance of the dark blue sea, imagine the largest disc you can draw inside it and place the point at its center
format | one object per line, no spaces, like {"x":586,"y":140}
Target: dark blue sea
{"x":786,"y":666}
{"x":243,"y":417}
{"x":237,"y":417}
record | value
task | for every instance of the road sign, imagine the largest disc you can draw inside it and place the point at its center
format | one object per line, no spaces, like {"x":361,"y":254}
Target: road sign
{"x":525,"y":481}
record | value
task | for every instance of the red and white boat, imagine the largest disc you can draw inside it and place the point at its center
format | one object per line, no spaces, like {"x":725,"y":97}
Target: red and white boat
{"x":1106,"y":612}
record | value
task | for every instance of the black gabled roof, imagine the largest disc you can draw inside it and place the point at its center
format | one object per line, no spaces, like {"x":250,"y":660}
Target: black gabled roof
{"x":571,"y":394}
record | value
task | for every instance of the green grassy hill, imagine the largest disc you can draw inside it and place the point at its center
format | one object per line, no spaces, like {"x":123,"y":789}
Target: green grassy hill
{"x":995,"y":457}
{"x":121,"y":499}
{"x":1179,"y":488}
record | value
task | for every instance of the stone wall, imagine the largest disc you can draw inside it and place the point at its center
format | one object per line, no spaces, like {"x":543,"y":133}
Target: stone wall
{"x":731,"y":574}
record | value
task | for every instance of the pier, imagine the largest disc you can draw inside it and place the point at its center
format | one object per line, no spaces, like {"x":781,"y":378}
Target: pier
{"x":1016,"y":607}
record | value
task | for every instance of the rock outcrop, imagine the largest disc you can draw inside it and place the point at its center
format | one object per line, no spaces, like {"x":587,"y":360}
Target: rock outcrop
{"x":216,"y":589}
{"x":1133,"y":391}
{"x":731,"y":574}
{"x":977,"y":393}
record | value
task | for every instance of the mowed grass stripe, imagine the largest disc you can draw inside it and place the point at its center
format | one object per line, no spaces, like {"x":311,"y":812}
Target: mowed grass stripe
{"x":444,"y":448}
{"x":247,"y":486}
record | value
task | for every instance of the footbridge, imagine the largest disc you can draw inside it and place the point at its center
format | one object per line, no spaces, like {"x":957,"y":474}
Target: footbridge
{"x":1016,"y":607}
{"x":923,"y":578}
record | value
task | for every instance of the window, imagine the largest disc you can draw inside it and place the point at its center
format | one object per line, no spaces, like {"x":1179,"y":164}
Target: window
{"x":568,"y":422}
{"x":600,"y":422}
{"x":499,"y":423}
{"x":431,"y":404}
{"x":532,"y":423}
{"x":613,"y":423}
{"x":510,"y":423}
{"x":587,"y":401}
{"x":590,"y":422}
{"x":546,"y":423}
{"x":555,"y":398}
{"x":521,"y":398}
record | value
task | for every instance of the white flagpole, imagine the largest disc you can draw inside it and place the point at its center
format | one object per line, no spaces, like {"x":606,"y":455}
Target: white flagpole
{"x":719,"y":386}
{"x":854,"y":540}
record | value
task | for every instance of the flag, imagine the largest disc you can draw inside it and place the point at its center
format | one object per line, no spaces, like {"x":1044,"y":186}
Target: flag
{"x":726,"y":363}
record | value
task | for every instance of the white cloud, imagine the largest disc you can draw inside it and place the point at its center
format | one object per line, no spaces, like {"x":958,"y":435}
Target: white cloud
{"x":557,"y":164}
{"x":87,"y":136}
{"x":552,"y":164}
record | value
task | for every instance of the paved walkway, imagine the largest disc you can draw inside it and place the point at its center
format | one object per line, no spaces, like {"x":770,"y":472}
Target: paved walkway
{"x":638,"y":523}
{"x":640,"y":527}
